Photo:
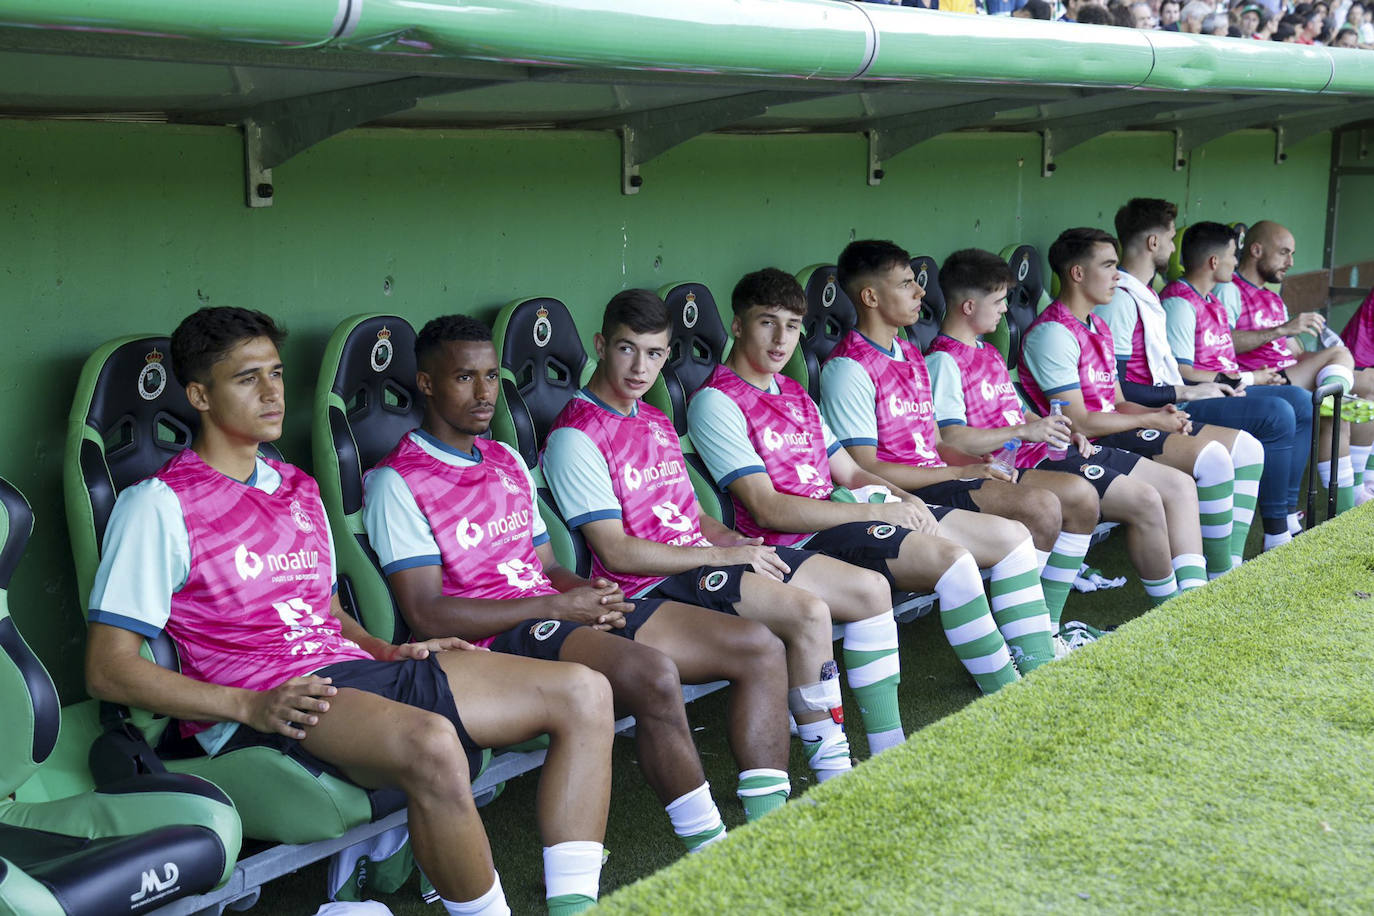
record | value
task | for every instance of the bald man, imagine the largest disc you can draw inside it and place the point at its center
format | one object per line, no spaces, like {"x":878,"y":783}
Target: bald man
{"x":1261,"y":328}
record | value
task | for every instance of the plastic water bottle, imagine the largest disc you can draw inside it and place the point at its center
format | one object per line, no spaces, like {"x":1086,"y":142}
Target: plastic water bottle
{"x":1057,"y":452}
{"x":1005,"y":459}
{"x":1330,"y":338}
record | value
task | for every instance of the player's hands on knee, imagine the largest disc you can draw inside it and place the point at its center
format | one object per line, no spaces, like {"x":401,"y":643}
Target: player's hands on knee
{"x":423,"y":648}
{"x":289,"y":708}
{"x":763,"y":559}
{"x":588,"y":604}
{"x":910,"y":513}
{"x":1081,"y":443}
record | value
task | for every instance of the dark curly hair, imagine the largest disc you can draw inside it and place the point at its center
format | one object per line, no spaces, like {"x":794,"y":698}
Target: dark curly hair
{"x":206,"y":336}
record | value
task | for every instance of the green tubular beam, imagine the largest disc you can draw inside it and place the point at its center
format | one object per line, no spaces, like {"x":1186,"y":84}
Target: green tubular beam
{"x":803,"y":39}
{"x":274,"y":23}
{"x":1189,"y":62}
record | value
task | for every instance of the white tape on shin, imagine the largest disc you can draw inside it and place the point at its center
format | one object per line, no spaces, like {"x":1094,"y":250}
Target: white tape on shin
{"x":821,"y":696}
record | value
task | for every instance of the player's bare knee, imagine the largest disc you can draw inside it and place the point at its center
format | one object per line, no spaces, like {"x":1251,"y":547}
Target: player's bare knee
{"x":435,"y":762}
{"x":874,"y":594}
{"x":583,"y":701}
{"x":755,"y":648}
{"x":1079,"y":507}
{"x":657,"y":688}
{"x":1039,"y":513}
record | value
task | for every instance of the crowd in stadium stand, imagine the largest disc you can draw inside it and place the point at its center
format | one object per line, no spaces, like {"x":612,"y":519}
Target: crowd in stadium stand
{"x":1345,"y":25}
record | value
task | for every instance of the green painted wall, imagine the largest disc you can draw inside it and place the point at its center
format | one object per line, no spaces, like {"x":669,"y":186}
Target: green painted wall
{"x":108,"y":229}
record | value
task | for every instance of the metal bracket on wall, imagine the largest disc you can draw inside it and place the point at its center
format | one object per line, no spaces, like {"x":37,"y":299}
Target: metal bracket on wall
{"x":275,"y":131}
{"x":889,"y":136}
{"x":1063,"y":134}
{"x":1210,"y":122}
{"x":1297,"y":128}
{"x":647,"y":134}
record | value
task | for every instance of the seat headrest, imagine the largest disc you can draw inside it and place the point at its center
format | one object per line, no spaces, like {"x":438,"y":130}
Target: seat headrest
{"x":1023,"y":299}
{"x":16,"y":524}
{"x":932,"y":305}
{"x":697,"y":345}
{"x":374,"y":377}
{"x":542,"y":361}
{"x":829,"y":317}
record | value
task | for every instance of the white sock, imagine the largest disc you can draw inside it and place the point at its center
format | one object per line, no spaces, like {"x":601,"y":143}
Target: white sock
{"x":1324,"y":472}
{"x":1294,"y":524}
{"x":1042,"y":559}
{"x":492,"y":903}
{"x":573,"y":867}
{"x":694,"y":814}
{"x":831,"y":758}
{"x":1275,"y":540}
{"x":1336,"y":374}
{"x":1359,"y":460}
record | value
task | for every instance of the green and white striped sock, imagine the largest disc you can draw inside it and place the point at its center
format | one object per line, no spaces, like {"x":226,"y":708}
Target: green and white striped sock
{"x":1215,"y":478}
{"x":1189,"y":571}
{"x":873,"y":672}
{"x":1018,"y":607}
{"x":1160,"y":590}
{"x":695,"y":819}
{"x":969,"y":627}
{"x":762,"y":790}
{"x":1057,"y":576}
{"x":1247,"y":461}
{"x":1359,"y":461}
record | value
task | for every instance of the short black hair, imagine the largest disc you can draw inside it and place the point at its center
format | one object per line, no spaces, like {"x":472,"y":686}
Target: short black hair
{"x":1094,"y":14}
{"x":862,"y":261}
{"x":1039,"y":9}
{"x":1202,"y":240}
{"x":1143,"y":215}
{"x":973,"y":272}
{"x":445,"y":328}
{"x":769,"y":286}
{"x":640,"y":310}
{"x":1075,"y":246}
{"x":206,"y":336}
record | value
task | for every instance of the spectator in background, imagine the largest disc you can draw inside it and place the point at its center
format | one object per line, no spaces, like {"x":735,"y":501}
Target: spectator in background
{"x":1035,"y":9}
{"x":1215,"y":24}
{"x":1003,"y":7}
{"x":1168,"y":15}
{"x":1071,"y":8}
{"x":1361,"y":19}
{"x":1286,"y":33}
{"x":1346,"y":38}
{"x":1251,"y":19}
{"x":1312,"y":25}
{"x":1142,"y":17}
{"x":1094,"y":14}
{"x":1190,"y":18}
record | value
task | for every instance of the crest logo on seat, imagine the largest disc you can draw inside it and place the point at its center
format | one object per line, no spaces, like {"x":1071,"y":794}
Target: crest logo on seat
{"x":690,"y":314}
{"x":923,"y":278}
{"x":382,"y":351}
{"x":152,"y":380}
{"x":543,"y":328}
{"x":828,"y":294}
{"x":1023,"y":270}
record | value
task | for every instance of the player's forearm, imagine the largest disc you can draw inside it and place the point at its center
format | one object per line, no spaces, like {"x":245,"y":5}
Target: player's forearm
{"x":475,"y":618}
{"x":634,"y":556}
{"x":1096,"y":425}
{"x":135,"y":681}
{"x":904,"y":475}
{"x":1245,"y":341}
{"x":1191,"y":374}
{"x":802,"y":515}
{"x":974,"y":441}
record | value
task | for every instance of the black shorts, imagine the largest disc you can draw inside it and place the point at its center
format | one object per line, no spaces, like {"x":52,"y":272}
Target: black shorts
{"x":415,"y":682}
{"x":1148,"y":443}
{"x":952,"y":494}
{"x":1104,"y":466}
{"x":542,"y":638}
{"x":718,"y":587}
{"x":867,"y":544}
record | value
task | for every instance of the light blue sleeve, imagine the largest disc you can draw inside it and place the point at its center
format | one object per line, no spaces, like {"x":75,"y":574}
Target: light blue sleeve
{"x":577,"y":474}
{"x":1181,"y":323}
{"x":719,"y":432}
{"x":147,"y":559}
{"x":832,"y":444}
{"x":946,"y":389}
{"x":848,"y":402}
{"x":1051,"y":355}
{"x":1229,"y":295}
{"x":396,"y":525}
{"x":538,"y":530}
{"x":1120,"y":315}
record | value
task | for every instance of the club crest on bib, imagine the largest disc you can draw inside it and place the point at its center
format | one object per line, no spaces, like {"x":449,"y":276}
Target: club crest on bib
{"x":468,"y":534}
{"x":507,"y":483}
{"x":714,"y":580}
{"x":660,"y":435}
{"x":152,"y":379}
{"x":544,"y":629}
{"x":797,"y":413}
{"x":543,"y":328}
{"x":382,"y":351}
{"x":299,"y":516}
{"x":690,"y":314}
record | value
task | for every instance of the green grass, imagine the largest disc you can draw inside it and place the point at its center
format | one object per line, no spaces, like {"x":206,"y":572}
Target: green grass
{"x":1090,"y":778}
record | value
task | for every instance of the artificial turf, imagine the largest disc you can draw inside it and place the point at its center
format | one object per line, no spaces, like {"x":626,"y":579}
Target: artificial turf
{"x":1211,"y":756}
{"x":1158,"y":770}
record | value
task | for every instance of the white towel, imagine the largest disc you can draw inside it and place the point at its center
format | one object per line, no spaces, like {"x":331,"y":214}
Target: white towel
{"x":1163,"y":366}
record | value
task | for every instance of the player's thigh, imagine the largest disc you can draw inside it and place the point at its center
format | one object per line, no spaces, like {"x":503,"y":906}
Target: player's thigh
{"x":706,"y":644}
{"x":1171,"y":483}
{"x":373,"y":740}
{"x":988,"y":537}
{"x":1075,"y":495}
{"x":505,"y":699}
{"x":851,"y":592}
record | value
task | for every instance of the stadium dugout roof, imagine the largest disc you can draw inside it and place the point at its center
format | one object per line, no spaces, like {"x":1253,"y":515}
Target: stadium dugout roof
{"x":295,"y":72}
